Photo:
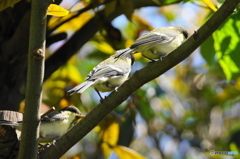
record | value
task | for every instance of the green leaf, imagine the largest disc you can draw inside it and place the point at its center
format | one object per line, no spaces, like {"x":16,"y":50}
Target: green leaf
{"x":223,"y":47}
{"x":7,"y":3}
{"x":207,"y":50}
{"x":227,"y":46}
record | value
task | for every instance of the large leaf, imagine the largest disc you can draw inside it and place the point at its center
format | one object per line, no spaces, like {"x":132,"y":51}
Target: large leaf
{"x":109,"y":130}
{"x":227,"y":46}
{"x":109,"y":134}
{"x":223,"y":47}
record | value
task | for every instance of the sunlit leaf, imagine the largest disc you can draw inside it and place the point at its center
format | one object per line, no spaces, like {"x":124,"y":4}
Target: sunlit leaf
{"x":110,"y":131}
{"x":109,"y":134}
{"x":210,"y":5}
{"x":106,"y":149}
{"x":227,"y":46}
{"x":103,"y":46}
{"x":7,"y":3}
{"x":66,"y":73}
{"x":126,"y":153}
{"x":73,"y":24}
{"x":57,"y":10}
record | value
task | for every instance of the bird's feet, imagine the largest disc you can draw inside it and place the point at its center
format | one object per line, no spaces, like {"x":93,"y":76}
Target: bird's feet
{"x":101,"y":99}
{"x":152,"y":61}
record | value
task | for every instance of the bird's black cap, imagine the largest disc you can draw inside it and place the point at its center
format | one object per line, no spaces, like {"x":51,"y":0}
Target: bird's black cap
{"x":71,"y":109}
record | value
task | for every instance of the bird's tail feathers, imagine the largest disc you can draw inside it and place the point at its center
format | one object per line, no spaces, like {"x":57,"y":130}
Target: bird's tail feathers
{"x":80,"y":88}
{"x":123,"y":52}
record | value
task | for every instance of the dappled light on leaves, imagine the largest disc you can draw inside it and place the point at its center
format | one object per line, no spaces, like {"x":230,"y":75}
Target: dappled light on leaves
{"x":109,"y":137}
{"x":224,"y":48}
{"x":186,"y":112}
{"x":55,"y":86}
{"x":109,"y":131}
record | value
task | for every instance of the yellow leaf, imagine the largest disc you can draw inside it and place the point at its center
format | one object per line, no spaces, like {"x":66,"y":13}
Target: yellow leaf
{"x":104,"y":47}
{"x":57,"y":10}
{"x":106,"y":149}
{"x":7,"y":3}
{"x":109,"y":130}
{"x":67,"y":73}
{"x":210,"y":5}
{"x":73,"y":24}
{"x":126,"y":153}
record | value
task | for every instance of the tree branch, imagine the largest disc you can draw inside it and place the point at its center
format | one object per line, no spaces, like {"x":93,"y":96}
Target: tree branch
{"x":138,"y":79}
{"x":36,"y":56}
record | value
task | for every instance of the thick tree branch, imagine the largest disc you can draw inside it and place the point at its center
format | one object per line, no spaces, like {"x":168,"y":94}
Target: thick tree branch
{"x":138,"y":79}
{"x":36,"y":57}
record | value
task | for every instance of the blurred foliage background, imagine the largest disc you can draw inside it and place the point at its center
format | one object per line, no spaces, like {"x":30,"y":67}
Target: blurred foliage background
{"x":190,"y":110}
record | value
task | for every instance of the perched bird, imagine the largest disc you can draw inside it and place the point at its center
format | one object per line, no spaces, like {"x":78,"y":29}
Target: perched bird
{"x":108,"y":75}
{"x":54,"y":124}
{"x":158,"y":42}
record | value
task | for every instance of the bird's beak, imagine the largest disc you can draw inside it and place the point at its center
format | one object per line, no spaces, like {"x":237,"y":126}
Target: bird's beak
{"x":80,"y":115}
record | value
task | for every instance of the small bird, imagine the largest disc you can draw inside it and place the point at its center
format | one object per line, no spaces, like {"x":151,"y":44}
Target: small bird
{"x":108,"y":75}
{"x":54,"y":124}
{"x":158,"y":42}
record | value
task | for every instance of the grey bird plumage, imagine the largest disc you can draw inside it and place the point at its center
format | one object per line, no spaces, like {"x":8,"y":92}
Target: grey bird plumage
{"x":107,"y":75}
{"x":158,"y":42}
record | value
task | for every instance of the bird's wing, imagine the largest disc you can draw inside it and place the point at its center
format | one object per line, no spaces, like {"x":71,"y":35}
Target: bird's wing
{"x":53,"y":116}
{"x":153,"y":38}
{"x":106,"y":71}
{"x":10,"y":123}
